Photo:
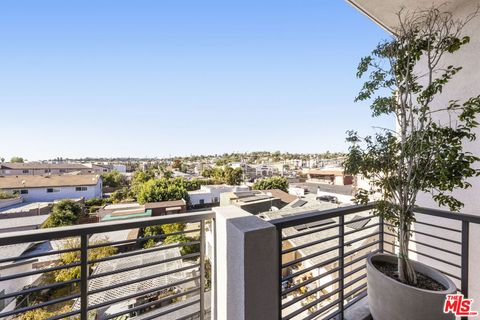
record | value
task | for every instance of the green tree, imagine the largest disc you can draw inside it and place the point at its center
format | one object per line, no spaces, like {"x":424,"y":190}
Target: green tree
{"x":123,"y":194}
{"x":271,"y":183}
{"x":167,"y":174}
{"x":36,"y":314}
{"x":95,"y":202}
{"x":114,"y":179}
{"x":233,"y":176}
{"x":167,"y":229}
{"x":64,"y":213}
{"x":159,"y":230}
{"x":5,"y":195}
{"x":226,"y":175}
{"x":161,"y":190}
{"x":139,"y":178}
{"x":177,"y":164}
{"x":16,"y":160}
{"x":74,"y":256}
{"x":424,"y":154}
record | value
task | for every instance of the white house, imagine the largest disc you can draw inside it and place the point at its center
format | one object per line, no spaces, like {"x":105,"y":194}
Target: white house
{"x":267,"y":170}
{"x":53,"y":187}
{"x":210,"y":194}
{"x":119,"y":167}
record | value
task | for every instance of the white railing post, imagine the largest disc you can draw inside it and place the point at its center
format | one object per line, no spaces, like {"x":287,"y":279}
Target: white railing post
{"x":246,"y":257}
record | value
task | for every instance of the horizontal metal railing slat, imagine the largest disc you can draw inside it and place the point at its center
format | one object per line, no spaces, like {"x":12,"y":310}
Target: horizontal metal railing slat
{"x":153,"y":303}
{"x":77,"y":230}
{"x":143,"y":239}
{"x":84,"y":232}
{"x":142,"y":293}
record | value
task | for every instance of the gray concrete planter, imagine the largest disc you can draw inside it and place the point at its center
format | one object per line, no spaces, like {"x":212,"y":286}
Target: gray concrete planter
{"x":392,"y":300}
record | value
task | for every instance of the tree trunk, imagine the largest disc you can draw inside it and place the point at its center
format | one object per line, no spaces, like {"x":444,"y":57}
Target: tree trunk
{"x":406,"y":273}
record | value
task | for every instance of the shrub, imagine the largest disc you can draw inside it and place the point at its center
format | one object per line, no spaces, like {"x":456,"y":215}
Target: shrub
{"x":64,"y":213}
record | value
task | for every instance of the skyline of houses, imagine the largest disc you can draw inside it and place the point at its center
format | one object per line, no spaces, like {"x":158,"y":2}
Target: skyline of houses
{"x":37,"y":186}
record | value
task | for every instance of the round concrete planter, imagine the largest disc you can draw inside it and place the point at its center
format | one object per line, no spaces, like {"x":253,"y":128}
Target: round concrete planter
{"x":392,"y":300}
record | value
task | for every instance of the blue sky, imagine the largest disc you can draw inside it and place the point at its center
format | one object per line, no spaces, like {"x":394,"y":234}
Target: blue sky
{"x":179,"y":77}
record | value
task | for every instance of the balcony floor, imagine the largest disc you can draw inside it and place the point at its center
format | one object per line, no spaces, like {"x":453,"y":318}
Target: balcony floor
{"x":358,"y":311}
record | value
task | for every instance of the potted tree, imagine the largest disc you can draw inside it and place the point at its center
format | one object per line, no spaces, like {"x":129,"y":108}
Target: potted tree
{"x":424,"y":154}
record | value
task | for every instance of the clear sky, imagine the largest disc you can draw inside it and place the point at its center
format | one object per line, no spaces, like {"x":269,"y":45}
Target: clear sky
{"x":178,"y":77}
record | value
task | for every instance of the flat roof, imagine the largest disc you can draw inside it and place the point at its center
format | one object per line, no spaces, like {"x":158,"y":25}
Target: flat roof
{"x":31,"y":181}
{"x":282,"y":195}
{"x":142,"y":267}
{"x":33,"y":221}
{"x":13,"y":251}
{"x":165,"y":204}
{"x":41,"y":165}
{"x":121,"y":206}
{"x":114,"y":236}
{"x":327,"y":172}
{"x":109,"y":217}
{"x":23,"y":207}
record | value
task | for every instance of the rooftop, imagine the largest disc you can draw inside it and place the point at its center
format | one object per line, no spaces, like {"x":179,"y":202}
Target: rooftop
{"x":282,"y":195}
{"x":138,"y":261}
{"x":42,"y":166}
{"x":127,"y":215}
{"x":23,"y":207}
{"x":30,"y":181}
{"x":23,"y":222}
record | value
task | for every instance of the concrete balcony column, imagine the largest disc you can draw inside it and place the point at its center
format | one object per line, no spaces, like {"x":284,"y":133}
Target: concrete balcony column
{"x":246,"y":272}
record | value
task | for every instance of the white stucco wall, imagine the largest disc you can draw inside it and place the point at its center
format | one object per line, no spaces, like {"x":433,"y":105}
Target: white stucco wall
{"x":464,"y":85}
{"x":41,"y":194}
{"x":210,"y":193}
{"x":196,"y":196}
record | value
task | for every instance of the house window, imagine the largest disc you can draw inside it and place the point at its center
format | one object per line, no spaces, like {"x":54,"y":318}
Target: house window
{"x":47,"y":170}
{"x":62,"y":170}
{"x":80,"y":188}
{"x":201,"y":201}
{"x":215,"y":199}
{"x":24,"y":191}
{"x":25,"y":171}
{"x":51,"y":190}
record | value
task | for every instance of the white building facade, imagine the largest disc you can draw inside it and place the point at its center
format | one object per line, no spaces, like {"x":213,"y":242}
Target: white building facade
{"x":210,"y":194}
{"x":52,"y":188}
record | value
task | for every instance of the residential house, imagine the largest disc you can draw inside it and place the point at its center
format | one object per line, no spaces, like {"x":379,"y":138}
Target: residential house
{"x":266,"y":170}
{"x":53,"y":187}
{"x":209,"y":195}
{"x":333,"y":176}
{"x":41,"y":168}
{"x":257,"y":201}
{"x":122,"y":211}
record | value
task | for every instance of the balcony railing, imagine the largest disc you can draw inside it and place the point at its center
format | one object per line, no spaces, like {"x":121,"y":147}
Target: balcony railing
{"x":322,"y":257}
{"x":321,"y":263}
{"x":139,"y":277}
